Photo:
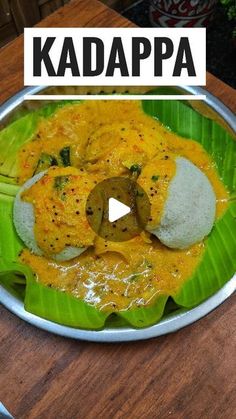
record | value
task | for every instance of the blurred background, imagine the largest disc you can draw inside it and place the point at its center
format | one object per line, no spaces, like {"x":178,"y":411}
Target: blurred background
{"x":218,"y":16}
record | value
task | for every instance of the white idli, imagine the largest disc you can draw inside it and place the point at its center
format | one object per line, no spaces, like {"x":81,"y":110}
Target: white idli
{"x":24,"y":221}
{"x":189,"y":211}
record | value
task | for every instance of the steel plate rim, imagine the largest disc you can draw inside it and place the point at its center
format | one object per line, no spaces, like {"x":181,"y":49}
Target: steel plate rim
{"x":168,"y":324}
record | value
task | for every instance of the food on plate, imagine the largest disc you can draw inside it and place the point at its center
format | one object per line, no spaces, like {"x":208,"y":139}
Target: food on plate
{"x":83,"y":144}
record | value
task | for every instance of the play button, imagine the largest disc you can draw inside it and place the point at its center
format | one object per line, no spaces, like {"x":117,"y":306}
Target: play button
{"x":117,"y":209}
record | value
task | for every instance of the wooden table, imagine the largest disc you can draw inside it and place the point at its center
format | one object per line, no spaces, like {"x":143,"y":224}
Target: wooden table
{"x":188,"y":374}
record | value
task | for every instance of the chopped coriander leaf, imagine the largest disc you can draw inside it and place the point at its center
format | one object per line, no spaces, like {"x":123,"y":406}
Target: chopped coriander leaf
{"x":140,"y":194}
{"x":65,"y":156}
{"x":134,"y":277}
{"x":155,"y":178}
{"x":148,"y":264}
{"x":60,"y":182}
{"x":135,"y":168}
{"x":45,"y":161}
{"x":63,"y":196}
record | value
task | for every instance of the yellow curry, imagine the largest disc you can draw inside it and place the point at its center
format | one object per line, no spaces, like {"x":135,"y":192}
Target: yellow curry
{"x":80,"y":145}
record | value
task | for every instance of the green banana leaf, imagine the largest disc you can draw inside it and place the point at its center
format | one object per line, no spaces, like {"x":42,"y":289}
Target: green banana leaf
{"x":190,"y":124}
{"x":215,"y":269}
{"x":18,"y":133}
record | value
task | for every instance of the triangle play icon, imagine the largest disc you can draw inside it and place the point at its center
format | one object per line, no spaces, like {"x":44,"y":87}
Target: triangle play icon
{"x":116,"y":210}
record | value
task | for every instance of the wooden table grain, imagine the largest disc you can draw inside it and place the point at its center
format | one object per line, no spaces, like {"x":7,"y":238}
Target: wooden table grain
{"x":189,"y":374}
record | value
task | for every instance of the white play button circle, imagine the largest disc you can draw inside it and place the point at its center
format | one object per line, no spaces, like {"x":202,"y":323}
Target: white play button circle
{"x":117,"y":210}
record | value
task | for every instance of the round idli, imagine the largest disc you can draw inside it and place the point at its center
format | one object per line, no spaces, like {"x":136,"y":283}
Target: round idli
{"x":189,"y":211}
{"x":24,"y":221}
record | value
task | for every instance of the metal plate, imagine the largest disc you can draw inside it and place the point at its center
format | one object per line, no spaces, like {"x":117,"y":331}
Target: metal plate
{"x":168,"y":324}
